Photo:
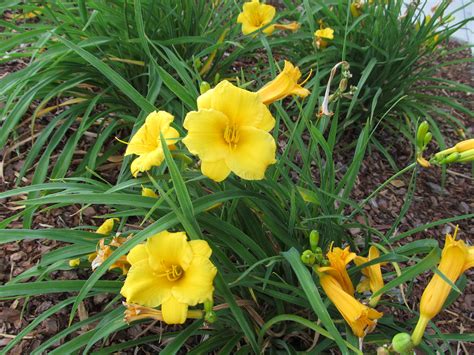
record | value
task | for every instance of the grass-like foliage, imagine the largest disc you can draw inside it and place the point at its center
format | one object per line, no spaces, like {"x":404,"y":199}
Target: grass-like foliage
{"x":99,"y":68}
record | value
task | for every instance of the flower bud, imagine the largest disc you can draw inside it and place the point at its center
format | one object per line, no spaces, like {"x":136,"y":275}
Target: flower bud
{"x":204,"y":87}
{"x":308,"y":257}
{"x":427,"y":139}
{"x":466,"y":156}
{"x":451,"y":158}
{"x":402,"y":343}
{"x":314,"y":239}
{"x":343,"y":85}
{"x":423,"y":129}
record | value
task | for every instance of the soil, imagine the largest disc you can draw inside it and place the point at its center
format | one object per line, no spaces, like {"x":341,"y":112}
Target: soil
{"x":433,"y":200}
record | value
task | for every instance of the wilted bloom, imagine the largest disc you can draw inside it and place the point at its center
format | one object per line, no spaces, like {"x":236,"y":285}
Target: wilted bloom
{"x":229,"y":132}
{"x":135,"y":312}
{"x":170,"y":271}
{"x":373,"y":274}
{"x":338,"y":260}
{"x":255,"y":16}
{"x":455,"y":259}
{"x":361,"y":319}
{"x":104,"y":251}
{"x":285,"y":84}
{"x":106,"y":227}
{"x":148,"y":192}
{"x":146,"y":143}
{"x":356,"y":8}
{"x":292,"y":26}
{"x":322,"y":35}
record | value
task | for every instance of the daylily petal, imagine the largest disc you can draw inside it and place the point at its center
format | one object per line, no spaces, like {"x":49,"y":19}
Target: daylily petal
{"x":196,"y":285}
{"x":137,"y":254}
{"x":146,"y":161}
{"x":143,"y":287}
{"x":242,"y":107}
{"x":252,"y":155}
{"x":174,"y":312}
{"x":201,"y":247}
{"x":167,"y":248}
{"x":206,"y":134}
{"x":216,"y":170}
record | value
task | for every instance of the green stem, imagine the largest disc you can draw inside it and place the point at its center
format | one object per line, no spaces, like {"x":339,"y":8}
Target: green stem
{"x":419,"y":330}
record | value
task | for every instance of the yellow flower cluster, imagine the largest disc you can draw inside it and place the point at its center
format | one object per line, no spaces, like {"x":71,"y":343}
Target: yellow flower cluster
{"x":229,"y":132}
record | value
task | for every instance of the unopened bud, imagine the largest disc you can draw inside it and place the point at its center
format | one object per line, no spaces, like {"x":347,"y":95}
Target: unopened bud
{"x":343,"y":85}
{"x":427,"y":139}
{"x":423,"y":129}
{"x":308,"y":258}
{"x":314,"y":239}
{"x":402,"y":343}
{"x":467,"y":156}
{"x":204,"y":87}
{"x":451,"y":158}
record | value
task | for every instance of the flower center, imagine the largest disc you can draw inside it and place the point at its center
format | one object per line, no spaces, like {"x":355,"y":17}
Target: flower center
{"x":231,"y":135}
{"x":174,"y":273}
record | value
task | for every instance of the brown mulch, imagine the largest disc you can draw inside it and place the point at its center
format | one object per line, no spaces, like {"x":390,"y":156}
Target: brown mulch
{"x":432,"y":201}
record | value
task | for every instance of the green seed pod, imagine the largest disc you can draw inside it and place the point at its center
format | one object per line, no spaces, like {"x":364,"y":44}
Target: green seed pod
{"x":314,"y":239}
{"x":423,"y":129}
{"x":427,"y":139}
{"x":204,"y":87}
{"x":343,"y":85}
{"x":210,"y":317}
{"x":402,"y":343}
{"x":308,"y":258}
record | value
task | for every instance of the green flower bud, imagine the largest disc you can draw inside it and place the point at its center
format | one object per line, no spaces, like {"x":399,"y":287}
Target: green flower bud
{"x":427,"y":139}
{"x":466,"y":156}
{"x":402,"y":343}
{"x":204,"y":87}
{"x":325,"y":262}
{"x":423,"y":129}
{"x":314,"y":239}
{"x":451,"y":158}
{"x":308,"y":258}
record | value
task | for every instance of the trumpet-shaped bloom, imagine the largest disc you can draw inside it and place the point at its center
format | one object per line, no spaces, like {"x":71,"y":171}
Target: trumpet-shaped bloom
{"x":170,"y":271}
{"x":361,"y":319}
{"x":373,"y":274}
{"x":255,"y":16}
{"x":455,"y":259}
{"x":338,"y":260}
{"x":229,"y":132}
{"x":146,"y":143}
{"x":285,"y":84}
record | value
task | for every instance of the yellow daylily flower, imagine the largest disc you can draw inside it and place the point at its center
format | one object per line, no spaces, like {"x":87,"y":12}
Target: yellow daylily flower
{"x":361,"y":319}
{"x":106,"y":227}
{"x":338,"y":260}
{"x":229,"y":132}
{"x":455,"y":259}
{"x":255,"y":16}
{"x":146,"y":143}
{"x":134,"y":312}
{"x":322,"y":35}
{"x":149,"y":192}
{"x":373,"y":274}
{"x":172,"y":272}
{"x":285,"y":84}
